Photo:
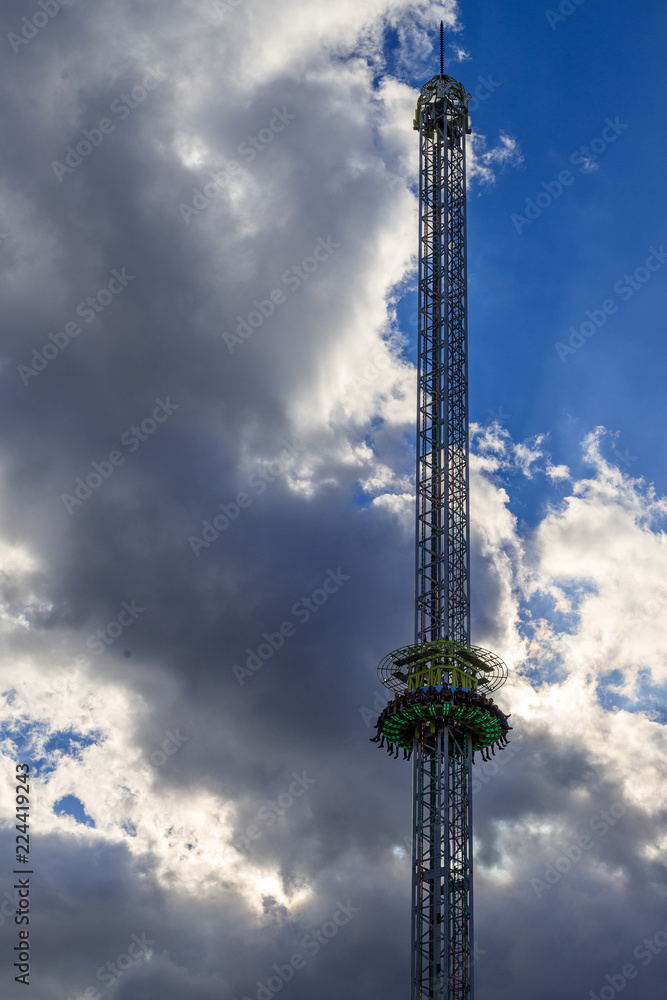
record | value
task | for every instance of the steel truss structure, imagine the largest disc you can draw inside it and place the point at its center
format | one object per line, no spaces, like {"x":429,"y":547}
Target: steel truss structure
{"x":443,"y":600}
{"x":442,"y":761}
{"x":441,"y":712}
{"x":442,"y":865}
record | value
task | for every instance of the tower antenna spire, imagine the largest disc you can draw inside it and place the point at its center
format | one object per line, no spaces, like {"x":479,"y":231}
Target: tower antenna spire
{"x":442,"y":49}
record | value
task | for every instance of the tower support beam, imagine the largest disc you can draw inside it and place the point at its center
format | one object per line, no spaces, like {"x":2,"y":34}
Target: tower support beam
{"x":442,"y":760}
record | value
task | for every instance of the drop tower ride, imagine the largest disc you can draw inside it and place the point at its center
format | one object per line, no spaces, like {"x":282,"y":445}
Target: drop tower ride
{"x":442,"y":712}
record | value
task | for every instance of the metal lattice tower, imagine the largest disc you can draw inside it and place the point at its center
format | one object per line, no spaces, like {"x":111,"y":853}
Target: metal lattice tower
{"x":442,"y":711}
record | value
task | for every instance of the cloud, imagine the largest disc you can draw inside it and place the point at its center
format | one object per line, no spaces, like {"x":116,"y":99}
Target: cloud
{"x":483,"y":162}
{"x":296,"y":448}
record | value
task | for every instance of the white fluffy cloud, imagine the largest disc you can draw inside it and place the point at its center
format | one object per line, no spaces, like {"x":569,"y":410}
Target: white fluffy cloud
{"x":581,"y":596}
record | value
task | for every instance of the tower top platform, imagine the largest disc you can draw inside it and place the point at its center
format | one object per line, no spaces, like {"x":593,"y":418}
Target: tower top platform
{"x":441,"y":88}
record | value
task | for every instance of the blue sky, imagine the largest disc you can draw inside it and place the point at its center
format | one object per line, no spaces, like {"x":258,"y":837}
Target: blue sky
{"x":555,"y":89}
